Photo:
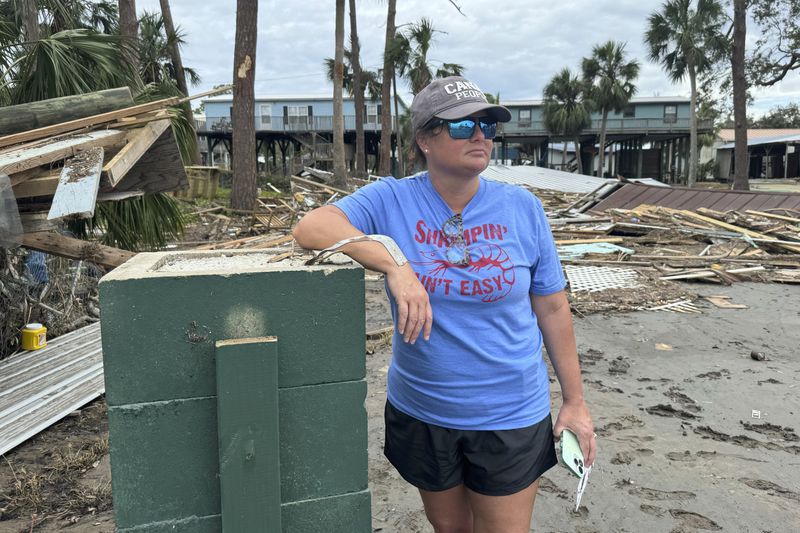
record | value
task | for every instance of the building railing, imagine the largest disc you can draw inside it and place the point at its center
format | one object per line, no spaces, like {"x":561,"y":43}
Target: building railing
{"x":324,"y":123}
{"x":321,"y":123}
{"x":613,"y":125}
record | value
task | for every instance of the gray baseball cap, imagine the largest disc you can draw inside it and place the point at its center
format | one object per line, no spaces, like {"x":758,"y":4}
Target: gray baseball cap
{"x":451,"y":98}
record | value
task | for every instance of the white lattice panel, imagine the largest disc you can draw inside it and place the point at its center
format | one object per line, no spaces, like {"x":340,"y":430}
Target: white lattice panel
{"x":594,"y":278}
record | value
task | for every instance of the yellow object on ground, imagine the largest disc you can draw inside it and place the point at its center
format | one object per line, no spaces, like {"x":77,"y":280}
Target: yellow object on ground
{"x":34,"y":336}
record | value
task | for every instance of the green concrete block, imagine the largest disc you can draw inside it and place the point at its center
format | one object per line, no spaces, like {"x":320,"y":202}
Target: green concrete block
{"x":164,"y":461}
{"x":205,"y":524}
{"x":247,"y":418}
{"x":323,"y":432}
{"x":159,"y":329}
{"x":347,"y":513}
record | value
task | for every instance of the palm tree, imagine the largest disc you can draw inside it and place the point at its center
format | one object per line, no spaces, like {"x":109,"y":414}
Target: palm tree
{"x":741,"y":159}
{"x":358,"y":92}
{"x":609,"y":79}
{"x":410,"y":55}
{"x":339,"y":171}
{"x":686,"y":39}
{"x":243,"y":190}
{"x":566,"y":111}
{"x":385,"y":156}
{"x":129,"y":27}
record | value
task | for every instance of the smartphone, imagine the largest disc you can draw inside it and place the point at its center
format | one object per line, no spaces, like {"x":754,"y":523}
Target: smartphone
{"x":571,"y":454}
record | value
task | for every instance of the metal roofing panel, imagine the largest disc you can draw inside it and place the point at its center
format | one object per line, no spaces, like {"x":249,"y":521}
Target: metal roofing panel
{"x":633,"y":195}
{"x":544,"y":178}
{"x":779,"y":139}
{"x":39,"y":388}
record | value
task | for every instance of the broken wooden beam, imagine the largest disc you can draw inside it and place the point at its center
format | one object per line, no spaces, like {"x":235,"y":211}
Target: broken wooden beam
{"x":63,"y":246}
{"x":24,"y":158}
{"x":94,"y":120}
{"x":33,"y":115}
{"x":304,"y":181}
{"x":138,"y":142}
{"x":39,"y":186}
{"x":76,"y":194}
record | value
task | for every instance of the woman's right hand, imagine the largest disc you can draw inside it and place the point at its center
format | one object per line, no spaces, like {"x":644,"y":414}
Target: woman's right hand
{"x":414,"y":313}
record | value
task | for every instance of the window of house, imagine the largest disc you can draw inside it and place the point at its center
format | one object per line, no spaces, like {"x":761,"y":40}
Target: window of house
{"x":670,"y":114}
{"x":265,"y":116}
{"x":372,"y":114}
{"x":629,"y":111}
{"x":298,"y":115}
{"x":524,"y":118}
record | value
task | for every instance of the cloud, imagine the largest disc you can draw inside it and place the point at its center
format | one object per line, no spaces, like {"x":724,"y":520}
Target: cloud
{"x":512,"y":47}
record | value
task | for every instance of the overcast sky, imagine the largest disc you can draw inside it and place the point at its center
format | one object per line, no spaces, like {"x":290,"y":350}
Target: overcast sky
{"x":508,"y":46}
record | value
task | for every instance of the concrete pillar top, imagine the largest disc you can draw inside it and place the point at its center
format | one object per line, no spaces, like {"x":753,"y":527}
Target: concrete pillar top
{"x":217,"y":262}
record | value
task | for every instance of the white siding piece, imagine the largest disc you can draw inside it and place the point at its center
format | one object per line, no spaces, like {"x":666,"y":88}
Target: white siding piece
{"x":76,"y":194}
{"x":41,"y":387}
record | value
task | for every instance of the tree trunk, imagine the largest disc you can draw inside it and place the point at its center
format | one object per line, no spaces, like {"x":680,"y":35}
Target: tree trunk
{"x":177,"y":63}
{"x":578,"y":154}
{"x":243,"y":193}
{"x":129,"y":28}
{"x":385,"y":167}
{"x":692,"y":176}
{"x":401,"y":165}
{"x":30,"y":20}
{"x":602,"y":155}
{"x":339,"y":171}
{"x":741,"y":157}
{"x":358,"y":93}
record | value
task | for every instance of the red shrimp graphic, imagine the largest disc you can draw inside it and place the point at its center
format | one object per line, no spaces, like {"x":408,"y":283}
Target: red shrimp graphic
{"x":484,"y":256}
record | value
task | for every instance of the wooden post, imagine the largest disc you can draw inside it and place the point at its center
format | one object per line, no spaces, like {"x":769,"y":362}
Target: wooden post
{"x":247,"y":422}
{"x":24,"y":117}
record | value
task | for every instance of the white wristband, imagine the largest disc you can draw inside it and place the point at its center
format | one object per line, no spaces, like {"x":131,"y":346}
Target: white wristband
{"x":386,"y":241}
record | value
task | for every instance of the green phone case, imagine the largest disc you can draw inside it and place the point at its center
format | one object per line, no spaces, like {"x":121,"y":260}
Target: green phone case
{"x":571,"y":454}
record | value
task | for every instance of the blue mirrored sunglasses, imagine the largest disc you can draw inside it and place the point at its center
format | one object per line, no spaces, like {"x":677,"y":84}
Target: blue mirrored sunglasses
{"x":464,"y":128}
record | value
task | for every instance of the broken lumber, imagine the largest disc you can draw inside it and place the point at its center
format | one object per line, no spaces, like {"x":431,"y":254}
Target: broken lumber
{"x":304,"y":181}
{"x":63,"y":246}
{"x":33,"y":115}
{"x":86,"y":122}
{"x":138,"y":142}
{"x":76,"y":194}
{"x":589,"y":241}
{"x":745,"y":231}
{"x":24,"y":158}
{"x":40,"y":186}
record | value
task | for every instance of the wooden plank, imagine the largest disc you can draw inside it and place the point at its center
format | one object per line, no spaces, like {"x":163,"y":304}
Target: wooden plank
{"x":771,"y":215}
{"x":318,"y":185}
{"x":76,"y":194}
{"x":24,"y":117}
{"x":41,"y":186}
{"x":589,"y":241}
{"x":247,"y":430}
{"x":63,"y":246}
{"x":739,"y":229}
{"x":15,"y":161}
{"x":138,"y":142}
{"x":87,"y":122}
{"x":160,"y":169}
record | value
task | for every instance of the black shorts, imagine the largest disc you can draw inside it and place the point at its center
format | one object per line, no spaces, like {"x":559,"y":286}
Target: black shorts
{"x":493,"y":463}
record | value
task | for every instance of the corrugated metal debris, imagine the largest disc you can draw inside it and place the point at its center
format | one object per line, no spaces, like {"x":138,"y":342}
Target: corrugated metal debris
{"x":39,"y":388}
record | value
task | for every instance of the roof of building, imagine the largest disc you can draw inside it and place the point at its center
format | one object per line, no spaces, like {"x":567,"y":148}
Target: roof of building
{"x":728,"y":134}
{"x":279,"y":97}
{"x":634,"y":194}
{"x":634,"y":100}
{"x":775,"y":139}
{"x":548,"y":178}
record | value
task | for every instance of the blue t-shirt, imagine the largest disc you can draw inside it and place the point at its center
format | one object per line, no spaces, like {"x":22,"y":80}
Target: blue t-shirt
{"x":482,"y":367}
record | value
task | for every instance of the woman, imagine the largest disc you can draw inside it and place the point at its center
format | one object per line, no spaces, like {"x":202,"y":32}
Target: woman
{"x":476,"y":292}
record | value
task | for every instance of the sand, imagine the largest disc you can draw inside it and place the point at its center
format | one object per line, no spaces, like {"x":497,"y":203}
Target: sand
{"x":673,"y":397}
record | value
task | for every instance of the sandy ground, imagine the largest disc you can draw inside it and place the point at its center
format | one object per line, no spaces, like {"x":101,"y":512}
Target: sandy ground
{"x":673,"y":398}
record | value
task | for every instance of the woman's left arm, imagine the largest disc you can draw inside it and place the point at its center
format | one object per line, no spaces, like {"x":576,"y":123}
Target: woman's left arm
{"x":555,"y":321}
